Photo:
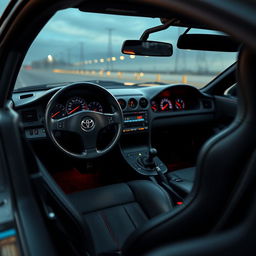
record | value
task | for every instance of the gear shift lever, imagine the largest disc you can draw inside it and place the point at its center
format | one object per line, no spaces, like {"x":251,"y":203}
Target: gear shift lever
{"x":149,"y":162}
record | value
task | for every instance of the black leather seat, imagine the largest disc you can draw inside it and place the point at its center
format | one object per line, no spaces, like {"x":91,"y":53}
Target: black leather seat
{"x":100,"y":220}
{"x":113,"y":212}
{"x":182,"y":180}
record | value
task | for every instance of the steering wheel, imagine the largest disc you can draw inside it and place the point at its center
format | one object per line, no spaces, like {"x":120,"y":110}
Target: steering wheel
{"x":87,"y":124}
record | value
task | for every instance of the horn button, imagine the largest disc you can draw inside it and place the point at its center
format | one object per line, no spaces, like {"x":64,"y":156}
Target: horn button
{"x":87,"y":124}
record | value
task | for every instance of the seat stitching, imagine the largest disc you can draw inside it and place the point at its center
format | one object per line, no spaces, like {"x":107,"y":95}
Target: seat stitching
{"x":105,"y":208}
{"x":145,"y":212}
{"x":130,"y":217}
{"x":107,"y":224}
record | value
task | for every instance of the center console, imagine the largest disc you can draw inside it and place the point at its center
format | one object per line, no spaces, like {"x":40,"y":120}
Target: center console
{"x":136,"y":158}
{"x":135,"y":144}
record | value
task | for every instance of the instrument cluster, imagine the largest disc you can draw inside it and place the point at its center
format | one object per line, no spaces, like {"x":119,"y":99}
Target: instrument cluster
{"x":175,"y":99}
{"x":73,"y":105}
{"x":167,"y":104}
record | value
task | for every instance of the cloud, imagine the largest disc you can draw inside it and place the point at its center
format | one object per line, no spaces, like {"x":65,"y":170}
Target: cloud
{"x":69,"y":28}
{"x":71,"y":34}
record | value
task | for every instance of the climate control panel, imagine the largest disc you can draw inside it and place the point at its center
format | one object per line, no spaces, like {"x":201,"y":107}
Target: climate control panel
{"x":135,"y":122}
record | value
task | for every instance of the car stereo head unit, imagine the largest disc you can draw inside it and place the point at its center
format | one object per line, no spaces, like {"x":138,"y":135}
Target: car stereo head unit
{"x":135,"y":122}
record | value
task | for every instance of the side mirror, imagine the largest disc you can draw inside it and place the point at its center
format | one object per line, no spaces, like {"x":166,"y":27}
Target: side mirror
{"x":208,"y":42}
{"x":147,"y":48}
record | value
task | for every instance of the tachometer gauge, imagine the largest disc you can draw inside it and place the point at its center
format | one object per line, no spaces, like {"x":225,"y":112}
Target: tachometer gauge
{"x":165,"y":104}
{"x":95,"y":106}
{"x":75,"y":104}
{"x":154,"y":106}
{"x":58,"y":111}
{"x":179,"y":104}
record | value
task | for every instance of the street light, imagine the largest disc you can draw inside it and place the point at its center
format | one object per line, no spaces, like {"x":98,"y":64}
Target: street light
{"x":49,"y":58}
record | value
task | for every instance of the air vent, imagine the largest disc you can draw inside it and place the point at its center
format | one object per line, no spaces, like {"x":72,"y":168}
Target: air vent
{"x":207,"y":104}
{"x":143,"y":102}
{"x":132,"y":103}
{"x":29,"y":115}
{"x":24,"y":96}
{"x":122,"y":103}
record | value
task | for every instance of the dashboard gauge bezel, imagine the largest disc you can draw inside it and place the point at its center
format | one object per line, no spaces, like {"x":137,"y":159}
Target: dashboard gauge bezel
{"x":58,"y":111}
{"x":93,"y":109}
{"x":165,"y":107}
{"x":70,"y":108}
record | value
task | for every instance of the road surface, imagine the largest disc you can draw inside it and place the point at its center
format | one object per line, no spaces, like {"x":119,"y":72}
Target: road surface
{"x":37,"y":77}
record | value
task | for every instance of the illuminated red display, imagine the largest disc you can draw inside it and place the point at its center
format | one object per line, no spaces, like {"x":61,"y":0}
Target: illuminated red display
{"x":165,"y":94}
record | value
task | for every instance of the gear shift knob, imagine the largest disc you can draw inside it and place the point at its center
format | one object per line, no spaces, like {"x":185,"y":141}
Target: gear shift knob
{"x":151,"y":154}
{"x":148,"y":161}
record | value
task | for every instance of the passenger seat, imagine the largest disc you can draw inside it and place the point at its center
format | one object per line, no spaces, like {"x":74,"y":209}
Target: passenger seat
{"x":182,"y":180}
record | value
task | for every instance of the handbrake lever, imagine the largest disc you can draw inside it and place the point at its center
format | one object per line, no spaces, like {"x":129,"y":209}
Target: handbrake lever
{"x":176,"y":198}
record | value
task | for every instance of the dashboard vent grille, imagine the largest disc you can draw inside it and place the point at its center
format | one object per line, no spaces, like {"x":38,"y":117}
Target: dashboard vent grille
{"x":24,"y":96}
{"x":122,"y":103}
{"x":143,"y":102}
{"x":29,"y":115}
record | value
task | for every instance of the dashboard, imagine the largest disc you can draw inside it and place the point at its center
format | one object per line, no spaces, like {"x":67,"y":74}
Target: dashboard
{"x":144,"y":108}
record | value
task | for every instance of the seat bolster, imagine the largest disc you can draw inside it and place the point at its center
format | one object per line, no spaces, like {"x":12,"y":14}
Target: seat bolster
{"x":100,"y":198}
{"x":183,"y":179}
{"x":187,"y":174}
{"x":153,"y":199}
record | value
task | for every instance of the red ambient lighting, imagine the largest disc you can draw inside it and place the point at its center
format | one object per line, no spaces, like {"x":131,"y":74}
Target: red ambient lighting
{"x":179,"y":203}
{"x":166,"y":94}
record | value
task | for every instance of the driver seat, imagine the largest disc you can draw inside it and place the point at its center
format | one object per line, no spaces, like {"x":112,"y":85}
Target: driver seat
{"x":98,"y":221}
{"x":113,"y":212}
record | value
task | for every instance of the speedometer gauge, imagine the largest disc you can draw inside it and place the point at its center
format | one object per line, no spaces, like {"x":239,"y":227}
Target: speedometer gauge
{"x":58,"y":111}
{"x":75,"y":104}
{"x":165,"y":104}
{"x":95,"y":106}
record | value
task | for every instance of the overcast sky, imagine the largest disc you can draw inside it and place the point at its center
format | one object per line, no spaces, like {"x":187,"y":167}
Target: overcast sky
{"x":3,"y":4}
{"x":71,"y":35}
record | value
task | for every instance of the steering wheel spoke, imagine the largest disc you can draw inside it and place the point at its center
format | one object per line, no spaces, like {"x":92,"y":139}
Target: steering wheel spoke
{"x":62,"y":124}
{"x":110,"y":118}
{"x":89,"y":139}
{"x":90,"y":153}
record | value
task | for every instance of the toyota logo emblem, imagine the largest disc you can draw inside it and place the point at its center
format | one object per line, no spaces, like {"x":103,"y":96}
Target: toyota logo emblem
{"x":87,"y":124}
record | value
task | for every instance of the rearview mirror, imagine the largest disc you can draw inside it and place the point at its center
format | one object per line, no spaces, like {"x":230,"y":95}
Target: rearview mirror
{"x":208,"y":42}
{"x":147,"y":48}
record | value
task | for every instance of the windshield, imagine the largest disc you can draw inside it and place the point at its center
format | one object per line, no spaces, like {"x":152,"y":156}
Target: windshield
{"x":77,"y":46}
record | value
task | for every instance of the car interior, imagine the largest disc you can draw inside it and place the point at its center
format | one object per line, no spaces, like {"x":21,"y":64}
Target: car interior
{"x":119,"y":159}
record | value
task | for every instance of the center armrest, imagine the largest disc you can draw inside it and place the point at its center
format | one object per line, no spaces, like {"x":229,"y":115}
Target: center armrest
{"x":182,"y":179}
